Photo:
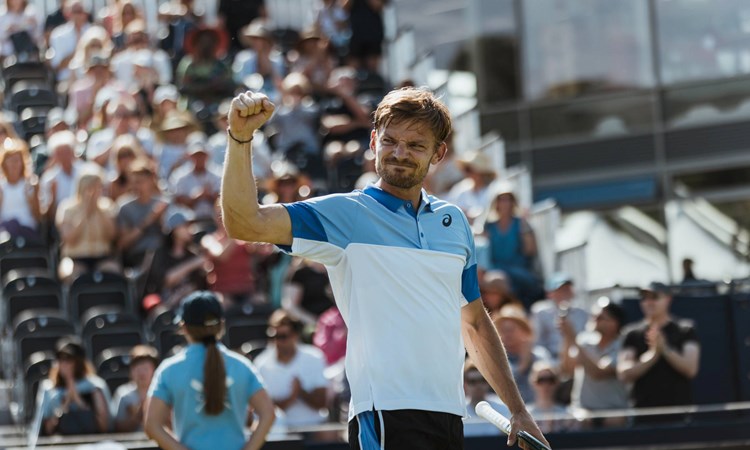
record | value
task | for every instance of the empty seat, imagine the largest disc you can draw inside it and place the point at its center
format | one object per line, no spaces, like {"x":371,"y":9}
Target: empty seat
{"x":19,"y":253}
{"x":113,"y":366}
{"x":39,"y":330}
{"x":108,"y":327}
{"x":23,"y":291}
{"x":36,"y":369}
{"x":31,"y":93}
{"x":14,"y":71}
{"x":33,"y":121}
{"x":163,"y":332}
{"x":240,"y":330}
{"x":98,"y":289}
{"x":251,"y":349}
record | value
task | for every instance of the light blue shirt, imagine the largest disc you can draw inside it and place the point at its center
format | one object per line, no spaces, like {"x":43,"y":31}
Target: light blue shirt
{"x":179,"y":383}
{"x":400,"y":274}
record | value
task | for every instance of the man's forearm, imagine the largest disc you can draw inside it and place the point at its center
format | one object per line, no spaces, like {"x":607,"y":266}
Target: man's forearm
{"x":487,"y":352}
{"x":239,"y":195}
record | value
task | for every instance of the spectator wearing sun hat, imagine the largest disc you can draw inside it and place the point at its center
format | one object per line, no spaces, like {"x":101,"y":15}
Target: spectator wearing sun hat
{"x":202,"y":76}
{"x":472,"y":194}
{"x":171,"y":149}
{"x":260,"y":67}
{"x":136,"y":40}
{"x":517,"y":335}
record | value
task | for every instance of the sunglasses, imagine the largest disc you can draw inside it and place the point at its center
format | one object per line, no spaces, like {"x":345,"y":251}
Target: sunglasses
{"x":281,"y":336}
{"x":474,"y":381}
{"x":548,"y":380}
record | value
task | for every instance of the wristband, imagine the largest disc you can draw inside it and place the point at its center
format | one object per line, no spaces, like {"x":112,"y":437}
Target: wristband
{"x":229,"y":132}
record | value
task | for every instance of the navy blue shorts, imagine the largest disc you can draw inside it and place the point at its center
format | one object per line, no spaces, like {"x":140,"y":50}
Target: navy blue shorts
{"x":406,"y":429}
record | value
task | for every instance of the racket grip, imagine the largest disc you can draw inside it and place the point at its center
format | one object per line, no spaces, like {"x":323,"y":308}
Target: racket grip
{"x":488,"y":413}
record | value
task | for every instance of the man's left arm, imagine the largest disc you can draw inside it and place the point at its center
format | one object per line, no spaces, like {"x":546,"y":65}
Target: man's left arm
{"x":686,"y":361}
{"x":487,"y":352}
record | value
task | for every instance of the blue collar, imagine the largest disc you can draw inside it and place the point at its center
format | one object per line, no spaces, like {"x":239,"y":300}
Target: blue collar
{"x":392,"y":202}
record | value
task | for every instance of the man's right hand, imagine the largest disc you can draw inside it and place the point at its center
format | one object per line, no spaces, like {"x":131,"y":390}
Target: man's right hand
{"x":248,"y":112}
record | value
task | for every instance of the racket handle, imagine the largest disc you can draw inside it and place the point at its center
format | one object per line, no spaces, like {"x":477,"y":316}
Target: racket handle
{"x":488,"y":413}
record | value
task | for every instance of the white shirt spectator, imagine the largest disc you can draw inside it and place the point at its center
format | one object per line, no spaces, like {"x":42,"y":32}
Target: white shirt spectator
{"x":185,"y":181}
{"x":101,"y":140}
{"x":66,"y":184}
{"x":122,"y":66}
{"x":11,"y":22}
{"x":13,"y":203}
{"x":63,"y":41}
{"x":307,"y":366}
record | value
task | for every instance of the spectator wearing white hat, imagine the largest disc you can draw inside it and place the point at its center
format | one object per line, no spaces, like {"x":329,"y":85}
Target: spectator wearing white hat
{"x":122,"y":118}
{"x":137,"y":38}
{"x":197,"y":183}
{"x":64,"y":38}
{"x":83,"y":91}
{"x":166,"y":98}
{"x":472,"y":194}
{"x":260,"y":67}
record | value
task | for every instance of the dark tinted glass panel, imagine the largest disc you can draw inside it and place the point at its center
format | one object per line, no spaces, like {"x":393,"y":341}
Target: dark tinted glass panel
{"x":576,"y":47}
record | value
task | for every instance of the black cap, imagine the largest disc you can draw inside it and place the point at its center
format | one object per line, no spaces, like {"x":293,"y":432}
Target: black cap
{"x":201,"y":308}
{"x":655,"y":287}
{"x":70,"y":346}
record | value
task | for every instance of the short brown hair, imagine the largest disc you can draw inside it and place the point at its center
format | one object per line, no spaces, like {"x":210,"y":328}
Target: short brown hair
{"x":412,"y":104}
{"x":140,"y":353}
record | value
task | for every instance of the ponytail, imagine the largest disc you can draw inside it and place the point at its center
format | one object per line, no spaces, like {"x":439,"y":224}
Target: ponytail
{"x":214,"y":378}
{"x":214,"y":372}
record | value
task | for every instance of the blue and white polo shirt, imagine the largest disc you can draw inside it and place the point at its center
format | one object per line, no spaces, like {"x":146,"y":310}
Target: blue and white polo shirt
{"x":400,"y":276}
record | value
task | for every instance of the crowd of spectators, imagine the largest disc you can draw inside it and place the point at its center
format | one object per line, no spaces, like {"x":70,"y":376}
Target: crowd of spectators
{"x":127,"y":174}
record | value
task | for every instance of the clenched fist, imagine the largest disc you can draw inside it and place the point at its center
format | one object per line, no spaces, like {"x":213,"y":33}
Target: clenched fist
{"x":248,"y":112}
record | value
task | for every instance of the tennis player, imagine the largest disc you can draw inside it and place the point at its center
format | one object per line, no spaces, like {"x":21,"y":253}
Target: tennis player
{"x":403,"y":271}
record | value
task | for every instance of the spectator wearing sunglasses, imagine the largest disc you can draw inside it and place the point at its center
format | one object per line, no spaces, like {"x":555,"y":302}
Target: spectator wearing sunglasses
{"x":544,"y":381}
{"x":293,"y":372}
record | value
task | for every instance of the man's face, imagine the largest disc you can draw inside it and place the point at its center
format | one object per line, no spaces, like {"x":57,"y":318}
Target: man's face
{"x":285,"y":339}
{"x":654,"y":304}
{"x":404,"y":152}
{"x":142,"y":372}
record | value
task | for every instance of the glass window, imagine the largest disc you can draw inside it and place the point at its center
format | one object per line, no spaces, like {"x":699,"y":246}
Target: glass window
{"x":707,"y":103}
{"x":703,"y":39}
{"x":494,"y":34}
{"x":575,"y":47}
{"x":595,"y":118}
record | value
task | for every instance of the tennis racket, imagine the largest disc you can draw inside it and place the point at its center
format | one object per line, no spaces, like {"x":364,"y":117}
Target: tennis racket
{"x":488,"y":413}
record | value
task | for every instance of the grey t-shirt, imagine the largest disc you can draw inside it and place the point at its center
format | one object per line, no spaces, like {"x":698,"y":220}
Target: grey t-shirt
{"x":590,"y":393}
{"x":132,"y":214}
